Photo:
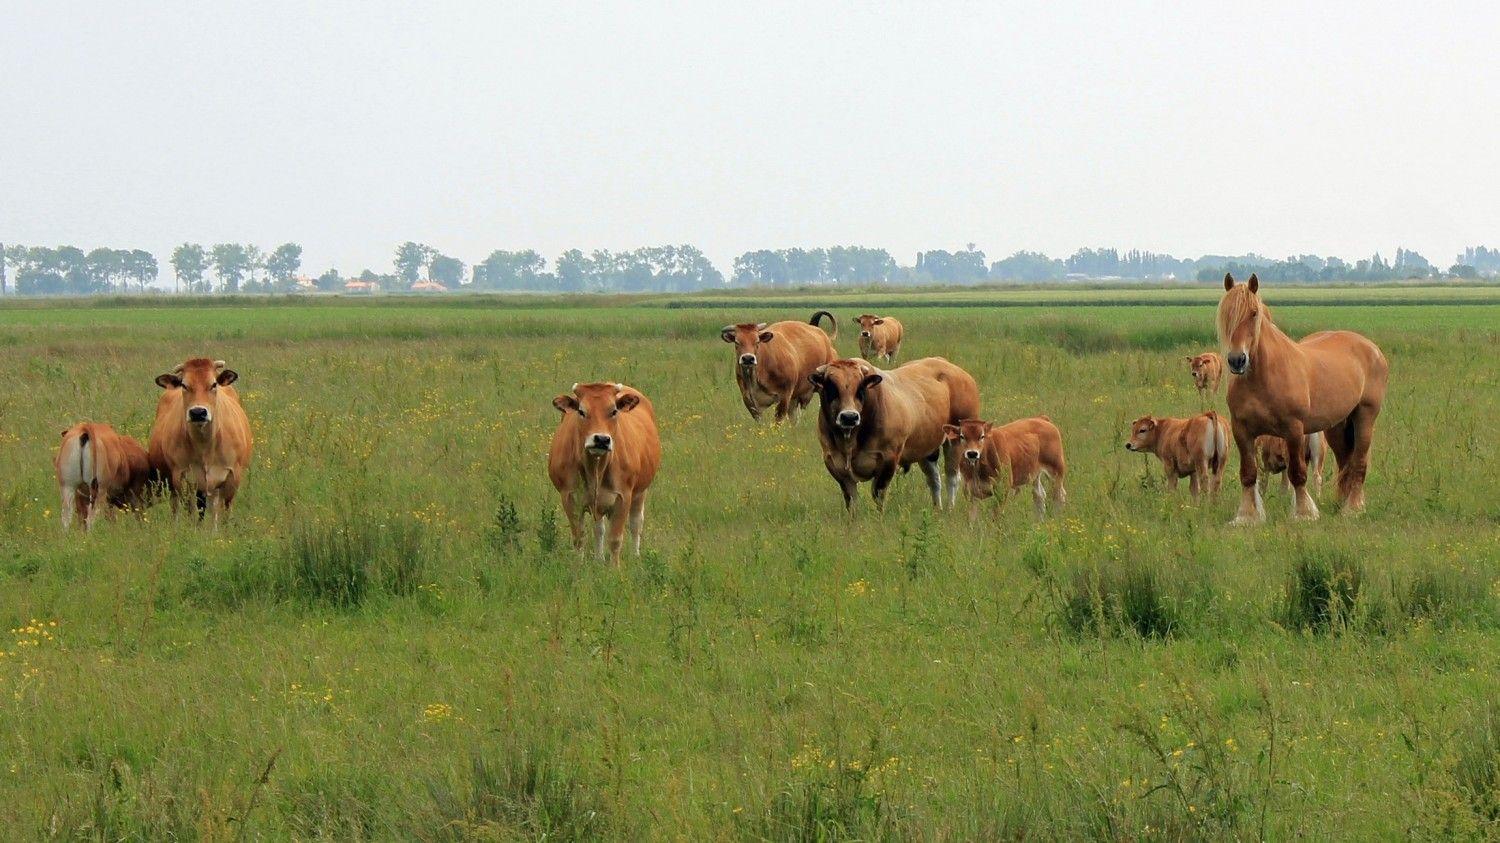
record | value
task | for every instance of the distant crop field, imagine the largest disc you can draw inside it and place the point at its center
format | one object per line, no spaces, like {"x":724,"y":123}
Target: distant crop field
{"x":392,"y":638}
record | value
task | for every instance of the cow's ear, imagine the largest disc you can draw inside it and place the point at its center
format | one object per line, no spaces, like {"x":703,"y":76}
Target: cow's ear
{"x":950,"y":432}
{"x":627,"y":402}
{"x":227,"y":377}
{"x":1228,"y":281}
{"x":766,"y":336}
{"x":727,"y":334}
{"x":871,"y":381}
{"x":168,"y":381}
{"x":987,"y":428}
{"x":819,"y":376}
{"x":1254,"y":283}
{"x":565,"y":402}
{"x":1190,"y":358}
{"x":879,"y":321}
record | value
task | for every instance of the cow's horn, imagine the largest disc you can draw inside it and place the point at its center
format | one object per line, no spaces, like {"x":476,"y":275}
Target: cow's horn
{"x":619,"y":387}
{"x":179,"y":369}
{"x":760,"y":327}
{"x":574,"y":389}
{"x":220,"y":365}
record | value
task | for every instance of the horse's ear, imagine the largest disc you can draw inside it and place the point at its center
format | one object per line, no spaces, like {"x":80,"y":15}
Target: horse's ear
{"x":1228,"y":281}
{"x":1254,"y":283}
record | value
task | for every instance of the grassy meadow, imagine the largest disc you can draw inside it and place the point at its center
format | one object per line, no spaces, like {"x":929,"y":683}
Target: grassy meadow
{"x":393,"y":639}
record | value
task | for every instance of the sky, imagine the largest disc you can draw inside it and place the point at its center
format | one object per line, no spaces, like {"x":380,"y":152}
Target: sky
{"x":1329,"y":128}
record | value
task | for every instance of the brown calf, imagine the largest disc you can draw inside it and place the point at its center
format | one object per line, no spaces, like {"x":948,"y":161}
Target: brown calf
{"x":604,"y":455}
{"x":1207,"y":368}
{"x":98,"y":468}
{"x":201,"y":438}
{"x":880,"y":336}
{"x":772,"y":362}
{"x":874,"y":422}
{"x":1196,"y":448}
{"x":1025,"y":450}
{"x":1271,"y":451}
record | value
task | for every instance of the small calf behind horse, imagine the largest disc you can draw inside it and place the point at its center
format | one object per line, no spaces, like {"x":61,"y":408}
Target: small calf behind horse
{"x":1207,"y":369}
{"x":1271,"y":451}
{"x":1012,"y":455}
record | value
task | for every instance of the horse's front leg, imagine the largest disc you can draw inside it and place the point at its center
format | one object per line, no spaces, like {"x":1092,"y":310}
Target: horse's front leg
{"x":1252,"y":510}
{"x":1303,"y":506}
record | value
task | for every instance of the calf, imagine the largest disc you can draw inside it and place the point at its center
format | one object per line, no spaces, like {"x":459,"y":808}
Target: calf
{"x":1207,"y":368}
{"x":874,"y":422}
{"x":604,"y":455}
{"x":201,"y":438}
{"x":1196,"y":448}
{"x":773,"y":362}
{"x":1271,"y":451}
{"x":879,"y":336}
{"x":1026,"y":450}
{"x":98,"y":468}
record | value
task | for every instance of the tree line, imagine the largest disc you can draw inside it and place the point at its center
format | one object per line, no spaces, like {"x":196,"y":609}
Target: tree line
{"x":245,"y":268}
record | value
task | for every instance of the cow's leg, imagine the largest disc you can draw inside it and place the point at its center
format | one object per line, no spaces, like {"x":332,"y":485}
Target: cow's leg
{"x":574,"y":512}
{"x":1039,"y":496}
{"x":619,"y":517}
{"x":934,"y":480}
{"x":783,"y":407}
{"x":600,"y":529}
{"x":1172,"y":479}
{"x":1303,"y":506}
{"x":637,"y":519}
{"x":1059,"y":492}
{"x":69,"y":505}
{"x":201,"y":499}
{"x":950,"y":468}
{"x":883,"y":476}
{"x":1195,"y":482}
{"x":848,"y":484}
{"x":1252,"y":510}
{"x":1363,"y":434}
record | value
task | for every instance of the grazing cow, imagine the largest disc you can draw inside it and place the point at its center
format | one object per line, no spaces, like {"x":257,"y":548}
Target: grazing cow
{"x":772,"y":362}
{"x":1272,"y":453}
{"x":201,"y":438}
{"x":1207,"y":369}
{"x":1027,"y":450}
{"x":874,"y":422}
{"x":1197,"y":448}
{"x":98,"y":468}
{"x":604,"y":456}
{"x":879,"y":336}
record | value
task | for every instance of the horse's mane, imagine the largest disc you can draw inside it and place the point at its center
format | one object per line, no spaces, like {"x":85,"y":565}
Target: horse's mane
{"x":1236,"y":307}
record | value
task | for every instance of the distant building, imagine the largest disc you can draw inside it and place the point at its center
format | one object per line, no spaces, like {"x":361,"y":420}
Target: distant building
{"x":428,"y":286}
{"x":354,"y":285}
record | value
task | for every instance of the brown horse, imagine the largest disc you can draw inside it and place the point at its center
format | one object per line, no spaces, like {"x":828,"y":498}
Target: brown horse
{"x":1331,"y":381}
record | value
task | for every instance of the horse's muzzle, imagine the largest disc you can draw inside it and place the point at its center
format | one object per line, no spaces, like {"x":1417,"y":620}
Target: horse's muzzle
{"x":1238,"y":362}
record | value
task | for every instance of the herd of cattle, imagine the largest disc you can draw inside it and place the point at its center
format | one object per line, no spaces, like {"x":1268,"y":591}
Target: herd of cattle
{"x":605,"y":451}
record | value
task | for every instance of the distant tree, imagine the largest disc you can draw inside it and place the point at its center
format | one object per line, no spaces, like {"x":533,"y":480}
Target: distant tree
{"x":140,"y":266}
{"x":1464,"y":271}
{"x":572,"y":271}
{"x":1028,"y":266}
{"x":504,"y":270}
{"x":105,"y":267}
{"x":445,"y":270}
{"x":231,"y":263}
{"x":282,"y":265}
{"x":188,"y":265}
{"x":330,"y":281}
{"x":410,"y":258}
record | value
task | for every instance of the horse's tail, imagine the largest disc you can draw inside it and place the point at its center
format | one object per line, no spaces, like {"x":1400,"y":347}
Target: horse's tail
{"x":834,"y":334}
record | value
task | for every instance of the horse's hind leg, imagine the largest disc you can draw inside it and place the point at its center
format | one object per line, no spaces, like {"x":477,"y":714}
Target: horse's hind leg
{"x":1352,"y":476}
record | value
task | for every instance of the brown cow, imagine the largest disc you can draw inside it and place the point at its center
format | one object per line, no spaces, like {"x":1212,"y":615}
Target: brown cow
{"x":604,"y":456}
{"x":1196,"y":448}
{"x":772,"y":363}
{"x":1207,"y":368}
{"x":97,"y":467}
{"x":874,"y":422}
{"x":1272,"y":453}
{"x":880,"y":336}
{"x":201,"y":439}
{"x":1026,"y":450}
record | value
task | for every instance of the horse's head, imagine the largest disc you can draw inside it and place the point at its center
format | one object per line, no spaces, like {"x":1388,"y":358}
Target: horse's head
{"x":1241,"y":315}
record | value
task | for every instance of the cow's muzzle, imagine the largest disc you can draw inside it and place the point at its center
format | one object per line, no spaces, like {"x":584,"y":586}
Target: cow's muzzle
{"x":865,"y":334}
{"x":971,"y":455}
{"x":1129,"y":446}
{"x":847,"y":419}
{"x":600,"y":443}
{"x":747,"y":360}
{"x":198,"y":415}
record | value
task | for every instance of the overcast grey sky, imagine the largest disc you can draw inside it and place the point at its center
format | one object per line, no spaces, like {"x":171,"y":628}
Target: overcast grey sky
{"x":1340,"y":128}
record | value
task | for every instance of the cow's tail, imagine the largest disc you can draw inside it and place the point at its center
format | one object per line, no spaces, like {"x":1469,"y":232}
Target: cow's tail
{"x":1215,"y":444}
{"x":833,"y":334}
{"x":78,"y":462}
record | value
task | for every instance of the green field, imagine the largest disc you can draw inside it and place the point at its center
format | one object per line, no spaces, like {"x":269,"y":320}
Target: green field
{"x":393,"y":625}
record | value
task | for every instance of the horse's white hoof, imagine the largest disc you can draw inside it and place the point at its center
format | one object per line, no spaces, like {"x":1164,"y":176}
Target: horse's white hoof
{"x":1247,"y":521}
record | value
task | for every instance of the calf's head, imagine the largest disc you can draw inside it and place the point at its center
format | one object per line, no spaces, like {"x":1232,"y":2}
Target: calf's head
{"x":867,"y":323}
{"x":1202,"y":368}
{"x":844,"y":387}
{"x":598,"y":406}
{"x":1143,"y":435}
{"x":970,"y":437}
{"x":199,"y":379}
{"x":747,"y":338}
